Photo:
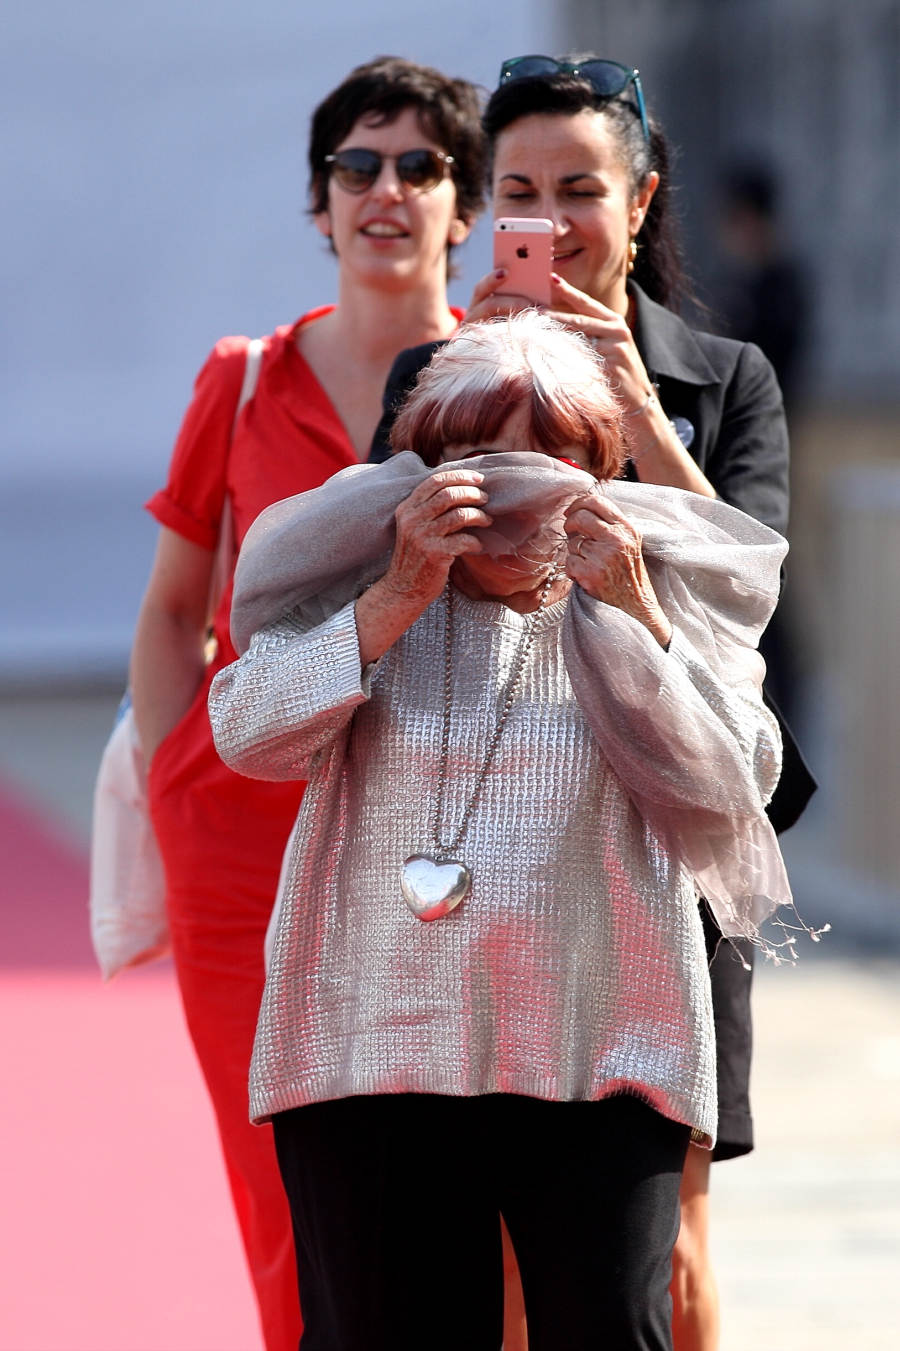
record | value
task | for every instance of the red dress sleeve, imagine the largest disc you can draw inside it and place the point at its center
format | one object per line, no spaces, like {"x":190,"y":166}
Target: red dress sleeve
{"x":191,"y":502}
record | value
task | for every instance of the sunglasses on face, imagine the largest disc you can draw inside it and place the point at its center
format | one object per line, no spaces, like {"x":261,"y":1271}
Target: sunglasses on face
{"x":606,"y":78}
{"x":356,"y":170}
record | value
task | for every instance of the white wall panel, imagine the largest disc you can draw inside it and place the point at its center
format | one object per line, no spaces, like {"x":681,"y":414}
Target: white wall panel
{"x":153,"y":162}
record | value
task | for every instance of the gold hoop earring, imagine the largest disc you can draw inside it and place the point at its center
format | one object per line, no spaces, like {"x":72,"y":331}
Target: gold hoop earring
{"x":632,"y":254}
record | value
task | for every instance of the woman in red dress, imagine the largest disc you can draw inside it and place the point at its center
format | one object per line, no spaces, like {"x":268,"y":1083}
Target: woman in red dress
{"x":396,"y":181}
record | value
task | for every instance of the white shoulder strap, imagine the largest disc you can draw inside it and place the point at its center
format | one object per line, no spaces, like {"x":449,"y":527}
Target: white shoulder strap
{"x":225,"y":548}
{"x":251,"y":375}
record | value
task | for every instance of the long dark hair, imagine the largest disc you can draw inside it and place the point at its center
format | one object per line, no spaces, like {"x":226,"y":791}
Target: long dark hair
{"x":658,"y":267}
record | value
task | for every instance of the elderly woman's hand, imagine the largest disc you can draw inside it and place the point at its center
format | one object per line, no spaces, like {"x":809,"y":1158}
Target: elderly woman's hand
{"x":606,"y":560}
{"x":434,"y":527}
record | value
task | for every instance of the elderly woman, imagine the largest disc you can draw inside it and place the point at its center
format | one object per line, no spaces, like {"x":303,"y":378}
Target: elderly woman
{"x":572,"y":141}
{"x":527,"y":703}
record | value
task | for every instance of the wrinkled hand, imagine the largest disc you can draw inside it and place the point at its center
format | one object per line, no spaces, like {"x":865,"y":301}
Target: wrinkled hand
{"x":606,"y":560}
{"x":434,"y":527}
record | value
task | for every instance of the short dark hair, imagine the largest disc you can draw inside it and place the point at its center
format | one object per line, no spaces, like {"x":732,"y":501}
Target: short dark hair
{"x":448,"y":112}
{"x":659,"y":266}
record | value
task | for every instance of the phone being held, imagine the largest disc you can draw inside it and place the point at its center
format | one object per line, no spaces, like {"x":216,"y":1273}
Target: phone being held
{"x":523,"y":245}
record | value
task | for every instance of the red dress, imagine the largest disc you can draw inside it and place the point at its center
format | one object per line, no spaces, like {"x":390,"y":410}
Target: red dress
{"x":222,"y":836}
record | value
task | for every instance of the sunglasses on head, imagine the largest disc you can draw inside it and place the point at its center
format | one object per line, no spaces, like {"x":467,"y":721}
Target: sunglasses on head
{"x":357,"y":169}
{"x":609,"y":79}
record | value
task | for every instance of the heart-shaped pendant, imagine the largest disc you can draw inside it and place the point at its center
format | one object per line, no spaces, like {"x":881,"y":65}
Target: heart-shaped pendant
{"x":432,"y":888}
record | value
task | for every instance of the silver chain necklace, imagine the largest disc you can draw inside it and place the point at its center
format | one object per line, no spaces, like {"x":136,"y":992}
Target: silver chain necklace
{"x":434,"y":884}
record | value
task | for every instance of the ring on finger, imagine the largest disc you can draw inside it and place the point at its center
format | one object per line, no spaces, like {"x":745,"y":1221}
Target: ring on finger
{"x":579,"y":545}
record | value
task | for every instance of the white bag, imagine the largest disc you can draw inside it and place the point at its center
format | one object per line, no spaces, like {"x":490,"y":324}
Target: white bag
{"x":128,"y":886}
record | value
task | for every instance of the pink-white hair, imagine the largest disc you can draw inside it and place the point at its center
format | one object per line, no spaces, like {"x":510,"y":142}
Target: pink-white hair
{"x":489,"y":369}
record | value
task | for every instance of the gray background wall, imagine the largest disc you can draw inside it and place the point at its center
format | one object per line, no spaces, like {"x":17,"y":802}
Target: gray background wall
{"x":153,"y":160}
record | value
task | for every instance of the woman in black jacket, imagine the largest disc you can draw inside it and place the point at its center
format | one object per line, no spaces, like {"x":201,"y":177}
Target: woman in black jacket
{"x":571,"y":141}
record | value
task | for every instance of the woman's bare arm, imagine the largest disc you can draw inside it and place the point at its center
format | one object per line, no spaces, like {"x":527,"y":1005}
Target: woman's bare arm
{"x":167,"y":658}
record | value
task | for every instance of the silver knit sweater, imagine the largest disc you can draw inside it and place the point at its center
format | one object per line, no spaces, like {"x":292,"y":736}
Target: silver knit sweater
{"x":574,"y":969}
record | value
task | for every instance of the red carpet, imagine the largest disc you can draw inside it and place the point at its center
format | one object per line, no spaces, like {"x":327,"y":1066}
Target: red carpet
{"x":116,"y":1232}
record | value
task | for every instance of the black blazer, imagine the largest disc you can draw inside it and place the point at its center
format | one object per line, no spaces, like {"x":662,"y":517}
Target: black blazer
{"x":726,"y":407}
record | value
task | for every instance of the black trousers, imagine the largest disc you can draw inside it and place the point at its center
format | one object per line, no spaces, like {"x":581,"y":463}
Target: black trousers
{"x":396,"y":1199}
{"x":731,"y":982}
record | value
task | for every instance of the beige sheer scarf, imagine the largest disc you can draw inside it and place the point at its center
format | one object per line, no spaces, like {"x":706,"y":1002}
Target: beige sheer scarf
{"x":716,"y":573}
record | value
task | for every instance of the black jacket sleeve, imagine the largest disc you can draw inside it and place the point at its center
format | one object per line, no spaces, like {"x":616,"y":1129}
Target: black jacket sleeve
{"x":748,"y":467}
{"x":748,"y":464}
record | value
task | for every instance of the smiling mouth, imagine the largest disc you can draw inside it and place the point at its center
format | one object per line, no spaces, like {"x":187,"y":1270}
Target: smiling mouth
{"x":382,"y":229}
{"x":565,"y":254}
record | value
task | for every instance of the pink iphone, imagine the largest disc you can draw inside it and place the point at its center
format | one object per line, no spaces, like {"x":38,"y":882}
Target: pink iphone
{"x":524,"y":246}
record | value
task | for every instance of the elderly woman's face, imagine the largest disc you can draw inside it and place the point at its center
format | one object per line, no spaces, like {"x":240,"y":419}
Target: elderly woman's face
{"x":511,"y":574}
